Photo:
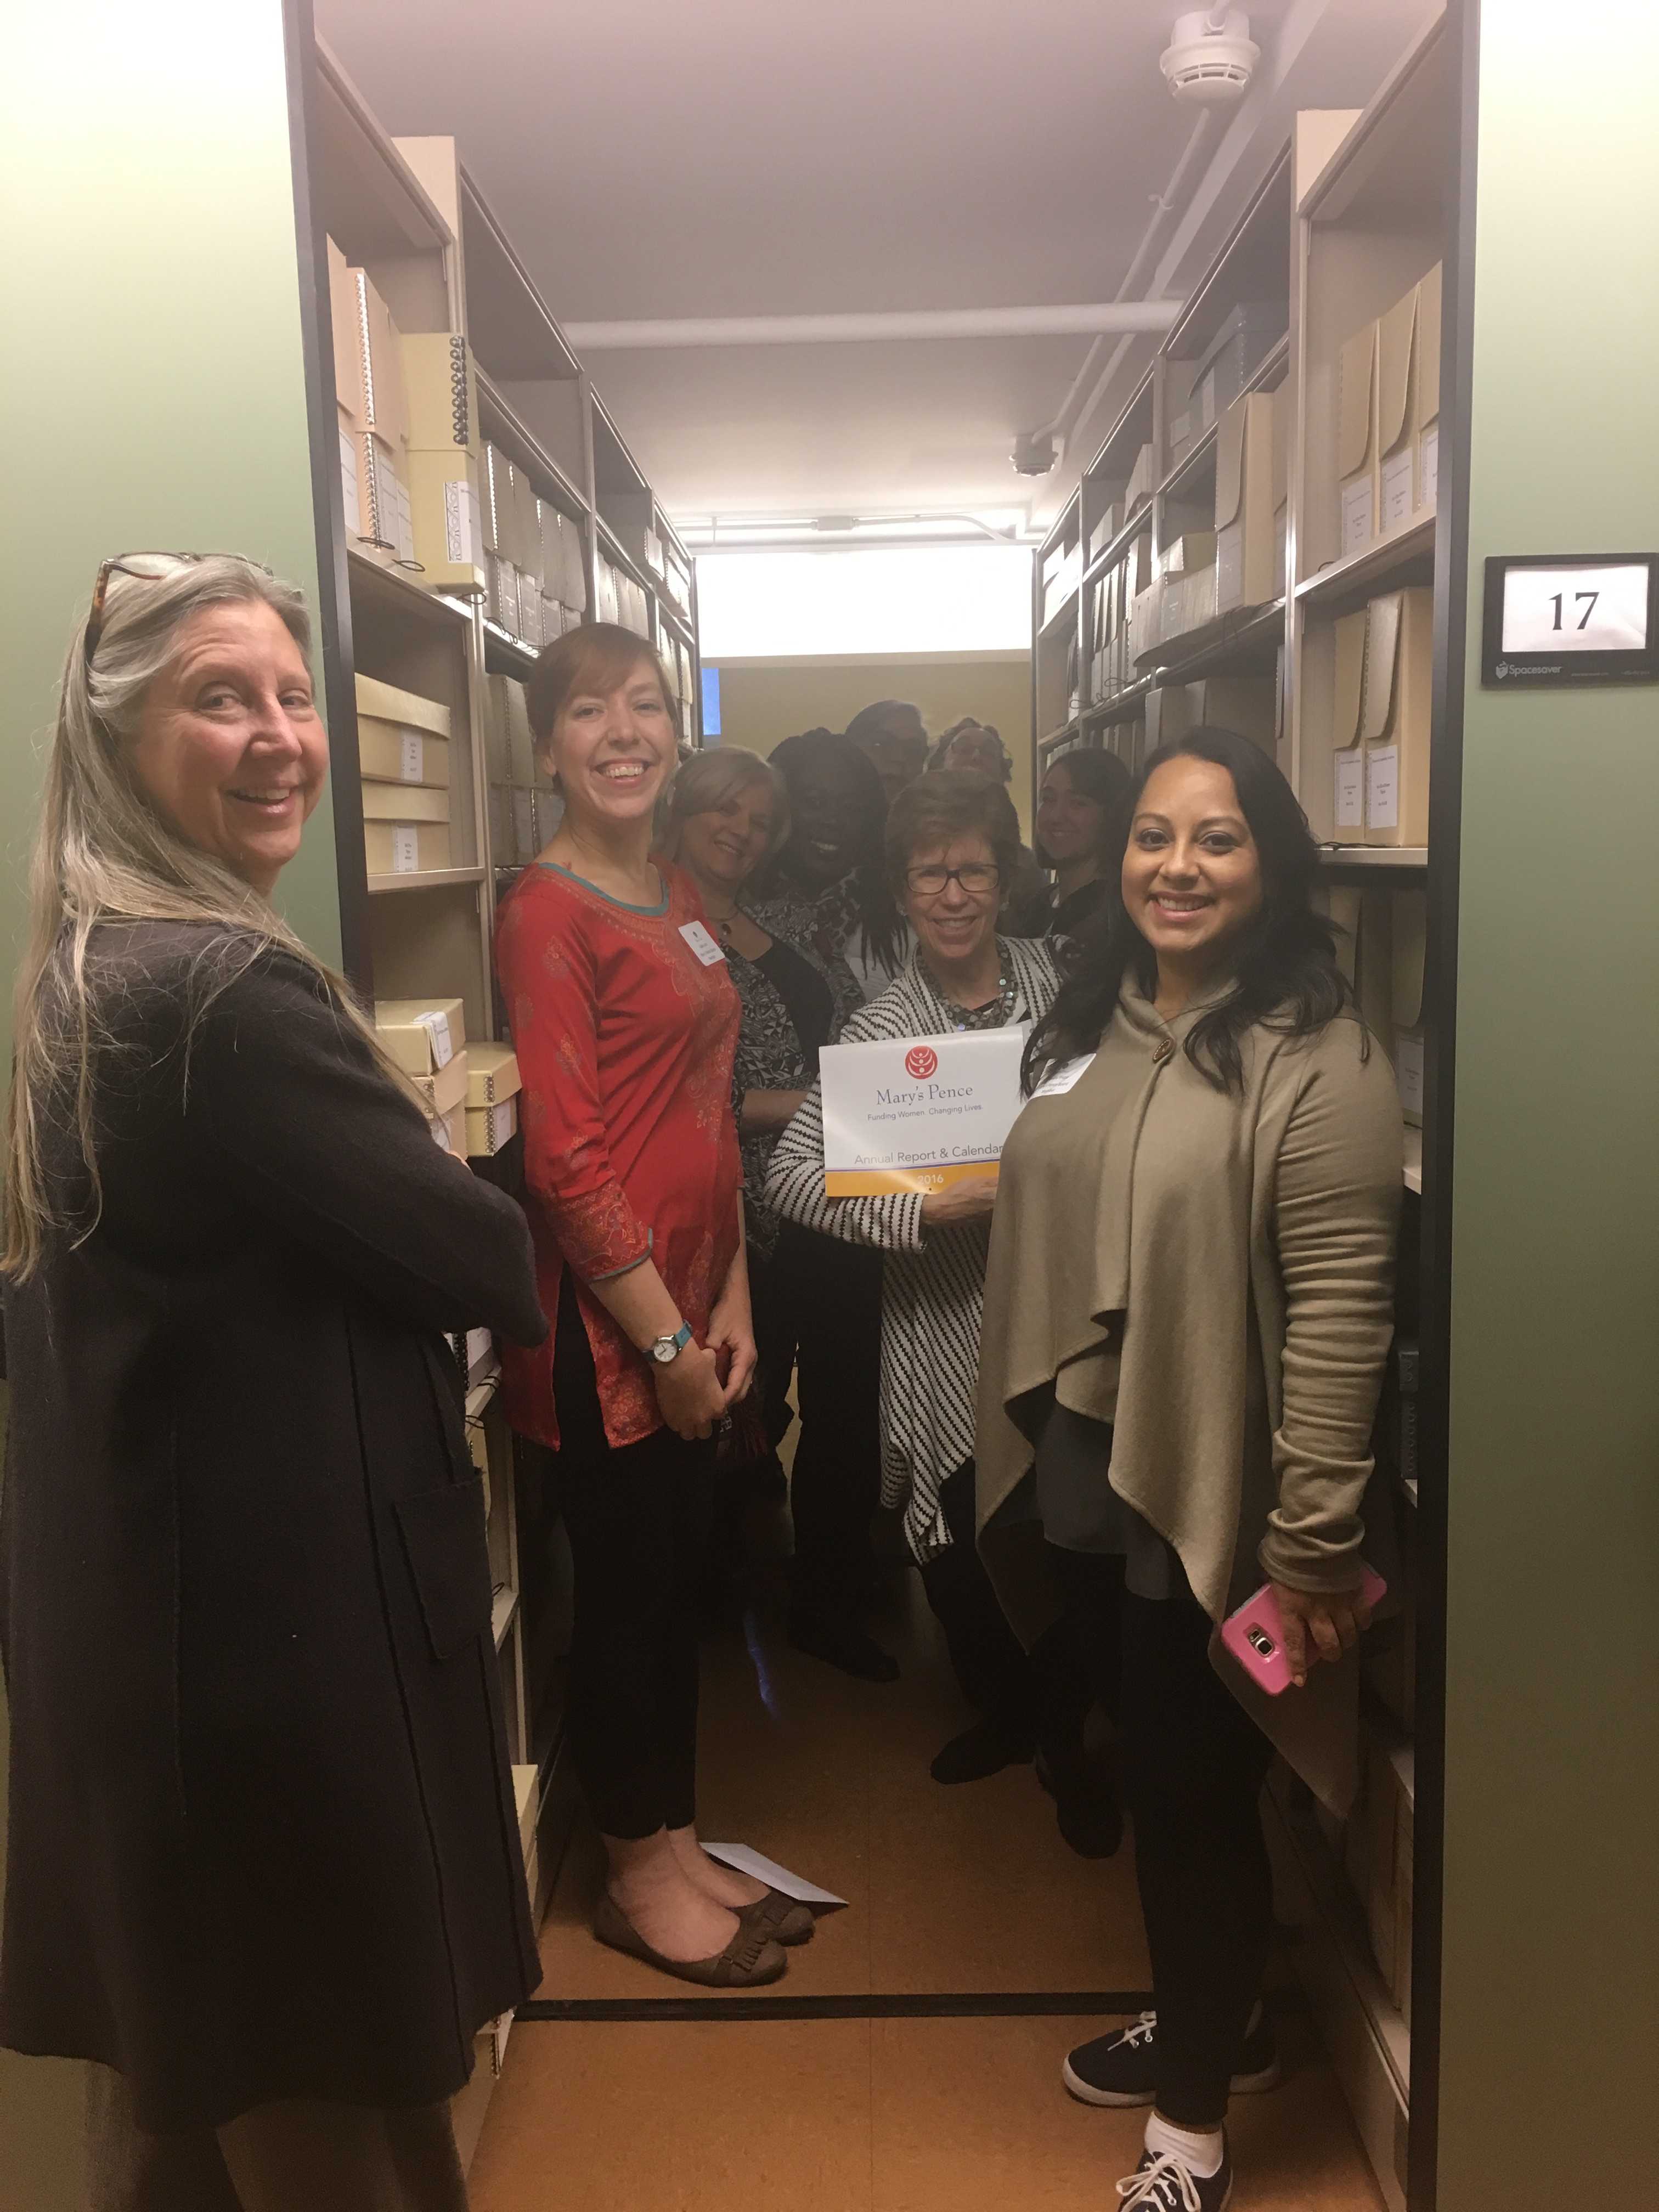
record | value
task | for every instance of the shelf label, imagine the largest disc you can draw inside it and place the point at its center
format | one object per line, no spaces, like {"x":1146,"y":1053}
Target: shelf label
{"x":411,"y":757}
{"x":405,"y":850}
{"x":1575,"y":610}
{"x":1382,"y":786}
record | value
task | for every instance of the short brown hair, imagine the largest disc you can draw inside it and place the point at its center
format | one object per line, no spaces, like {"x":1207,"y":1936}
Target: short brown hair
{"x":599,"y":655}
{"x":952,"y":802}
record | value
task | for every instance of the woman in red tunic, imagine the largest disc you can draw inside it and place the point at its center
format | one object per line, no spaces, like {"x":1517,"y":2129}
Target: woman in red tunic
{"x":625,"y":1023}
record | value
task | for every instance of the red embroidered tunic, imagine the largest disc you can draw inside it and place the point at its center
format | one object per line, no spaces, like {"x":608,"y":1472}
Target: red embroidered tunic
{"x":625,"y":1042}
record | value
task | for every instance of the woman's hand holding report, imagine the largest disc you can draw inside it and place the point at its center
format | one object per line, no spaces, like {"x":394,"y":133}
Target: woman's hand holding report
{"x":968,"y":1199}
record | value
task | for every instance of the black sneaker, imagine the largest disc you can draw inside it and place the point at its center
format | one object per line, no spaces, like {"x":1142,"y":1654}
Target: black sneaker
{"x":1121,"y":2068}
{"x":1163,"y":2183}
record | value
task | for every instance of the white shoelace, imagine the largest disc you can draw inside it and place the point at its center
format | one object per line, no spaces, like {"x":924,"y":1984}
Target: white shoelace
{"x":1165,"y":2186}
{"x":1143,"y":2031}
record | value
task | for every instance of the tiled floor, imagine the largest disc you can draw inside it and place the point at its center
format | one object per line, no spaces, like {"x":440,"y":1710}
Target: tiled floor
{"x":968,"y":1889}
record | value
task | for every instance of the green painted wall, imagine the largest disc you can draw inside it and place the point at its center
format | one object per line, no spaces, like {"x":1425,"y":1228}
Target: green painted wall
{"x":1551,"y":2000}
{"x":153,"y":397}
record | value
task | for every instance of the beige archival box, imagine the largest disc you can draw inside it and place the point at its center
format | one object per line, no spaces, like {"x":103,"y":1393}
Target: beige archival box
{"x":405,"y":848}
{"x":1398,"y":698}
{"x":1244,"y":502}
{"x":1396,"y":387}
{"x":1348,"y":796}
{"x":492,"y":1076}
{"x":396,"y":752}
{"x":391,"y":705}
{"x":422,"y":1035}
{"x":1358,"y":489}
{"x":447,"y":1087}
{"x":1428,"y":389}
{"x":404,"y":802}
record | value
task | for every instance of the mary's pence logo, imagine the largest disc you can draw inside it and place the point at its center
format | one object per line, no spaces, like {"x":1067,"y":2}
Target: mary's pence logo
{"x":921,"y":1061}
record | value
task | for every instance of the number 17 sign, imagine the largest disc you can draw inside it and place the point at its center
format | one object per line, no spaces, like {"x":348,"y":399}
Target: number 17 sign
{"x":1561,"y":618}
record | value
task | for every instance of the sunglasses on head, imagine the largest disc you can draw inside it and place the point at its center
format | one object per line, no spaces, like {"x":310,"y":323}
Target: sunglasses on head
{"x":148,"y":568}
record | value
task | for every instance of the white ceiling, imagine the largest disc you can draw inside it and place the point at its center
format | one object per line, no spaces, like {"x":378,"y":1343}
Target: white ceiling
{"x":756,"y":157}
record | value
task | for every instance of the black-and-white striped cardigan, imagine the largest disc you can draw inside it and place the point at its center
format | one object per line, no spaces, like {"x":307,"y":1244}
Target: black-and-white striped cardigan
{"x":933,"y":1282}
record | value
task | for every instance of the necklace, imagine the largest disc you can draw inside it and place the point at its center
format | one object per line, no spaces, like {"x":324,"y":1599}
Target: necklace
{"x":974,"y":1017}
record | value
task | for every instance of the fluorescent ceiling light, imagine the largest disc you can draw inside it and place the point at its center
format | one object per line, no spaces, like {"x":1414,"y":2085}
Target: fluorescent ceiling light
{"x":961,"y":598}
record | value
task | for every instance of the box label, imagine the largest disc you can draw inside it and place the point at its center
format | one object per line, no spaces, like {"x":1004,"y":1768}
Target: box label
{"x":463,"y":536}
{"x":1382,"y":787}
{"x":1356,"y":515}
{"x":411,"y":755}
{"x":1349,"y":808}
{"x":436,"y":1026}
{"x":1397,"y":473}
{"x":1428,"y":472}
{"x":406,"y":856}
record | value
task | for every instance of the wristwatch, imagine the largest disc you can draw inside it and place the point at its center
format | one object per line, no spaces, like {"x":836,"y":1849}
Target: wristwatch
{"x":665,"y":1350}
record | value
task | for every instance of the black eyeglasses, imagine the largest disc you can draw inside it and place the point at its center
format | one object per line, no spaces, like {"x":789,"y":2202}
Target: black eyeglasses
{"x":150,"y":568}
{"x":976,"y":878}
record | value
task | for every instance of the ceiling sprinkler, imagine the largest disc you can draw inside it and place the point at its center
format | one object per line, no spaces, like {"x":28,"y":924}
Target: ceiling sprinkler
{"x":1211,"y":57}
{"x":1033,"y":453}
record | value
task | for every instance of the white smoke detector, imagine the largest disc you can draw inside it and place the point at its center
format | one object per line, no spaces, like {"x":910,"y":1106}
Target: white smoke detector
{"x":1035,"y":453}
{"x":1211,"y":57}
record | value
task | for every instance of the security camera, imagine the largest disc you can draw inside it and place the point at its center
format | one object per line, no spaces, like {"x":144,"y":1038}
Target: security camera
{"x":1211,"y":57}
{"x":1033,"y":453}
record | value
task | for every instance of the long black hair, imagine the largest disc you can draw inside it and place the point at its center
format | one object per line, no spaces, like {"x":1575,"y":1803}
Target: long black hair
{"x":878,"y":917}
{"x":1284,"y":965}
{"x":1104,"y":778}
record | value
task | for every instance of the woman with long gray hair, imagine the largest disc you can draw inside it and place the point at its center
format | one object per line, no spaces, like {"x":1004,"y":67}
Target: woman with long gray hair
{"x":263,"y":1869}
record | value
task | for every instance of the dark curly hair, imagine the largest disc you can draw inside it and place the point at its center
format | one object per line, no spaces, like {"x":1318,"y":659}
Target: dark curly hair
{"x":1286,"y":967}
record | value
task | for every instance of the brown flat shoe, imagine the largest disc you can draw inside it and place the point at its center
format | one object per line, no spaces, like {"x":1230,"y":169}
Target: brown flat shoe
{"x":750,"y":1959}
{"x":780,"y":1917}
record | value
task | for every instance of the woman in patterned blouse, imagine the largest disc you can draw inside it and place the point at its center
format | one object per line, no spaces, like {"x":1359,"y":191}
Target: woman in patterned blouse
{"x":816,"y":1302}
{"x":951,"y":841}
{"x":625,"y":1024}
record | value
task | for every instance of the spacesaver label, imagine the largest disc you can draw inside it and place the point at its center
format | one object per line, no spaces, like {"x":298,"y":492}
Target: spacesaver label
{"x":917,"y":1113}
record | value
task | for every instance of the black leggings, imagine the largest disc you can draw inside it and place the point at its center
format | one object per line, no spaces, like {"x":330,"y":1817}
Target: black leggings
{"x":637,"y":1516}
{"x":818,"y":1312}
{"x":1194,"y":1763}
{"x":1044,"y":1694}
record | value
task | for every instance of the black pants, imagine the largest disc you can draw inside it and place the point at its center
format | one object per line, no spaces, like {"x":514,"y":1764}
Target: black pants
{"x":1044,"y":1694}
{"x":1194,"y":1763}
{"x":817,"y":1305}
{"x":637,"y":1516}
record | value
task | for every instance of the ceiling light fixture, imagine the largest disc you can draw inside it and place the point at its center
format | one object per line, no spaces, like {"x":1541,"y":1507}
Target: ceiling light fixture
{"x":1211,"y":57}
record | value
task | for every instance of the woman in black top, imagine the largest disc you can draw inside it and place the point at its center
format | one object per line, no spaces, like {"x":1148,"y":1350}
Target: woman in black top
{"x":1080,"y":818}
{"x":263,"y":1862}
{"x":826,"y":883}
{"x":816,"y":1303}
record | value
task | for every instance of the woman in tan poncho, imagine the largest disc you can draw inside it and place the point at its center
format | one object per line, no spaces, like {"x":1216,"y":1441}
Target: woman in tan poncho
{"x":1188,"y":1309}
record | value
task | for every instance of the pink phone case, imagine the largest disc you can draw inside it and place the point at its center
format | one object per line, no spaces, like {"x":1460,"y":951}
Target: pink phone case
{"x":1255,"y":1634}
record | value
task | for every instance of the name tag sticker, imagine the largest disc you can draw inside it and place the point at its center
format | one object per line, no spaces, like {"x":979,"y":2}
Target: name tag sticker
{"x":706,"y":947}
{"x":1070,"y":1072}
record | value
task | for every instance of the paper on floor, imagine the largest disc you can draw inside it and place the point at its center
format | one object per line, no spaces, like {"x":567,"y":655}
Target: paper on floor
{"x":746,"y":1861}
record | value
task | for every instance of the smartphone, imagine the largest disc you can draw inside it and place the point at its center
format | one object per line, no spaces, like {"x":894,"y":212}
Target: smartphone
{"x":1255,"y":1634}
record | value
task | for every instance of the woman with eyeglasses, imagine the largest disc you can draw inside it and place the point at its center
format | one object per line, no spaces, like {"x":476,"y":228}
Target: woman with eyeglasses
{"x":951,"y":843}
{"x":263,"y":1859}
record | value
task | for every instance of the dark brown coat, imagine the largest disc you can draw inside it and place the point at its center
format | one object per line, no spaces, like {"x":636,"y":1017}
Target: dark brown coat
{"x":262,"y":1842}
